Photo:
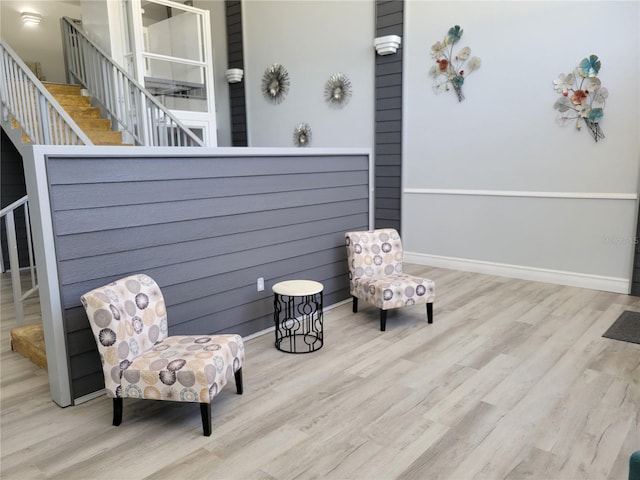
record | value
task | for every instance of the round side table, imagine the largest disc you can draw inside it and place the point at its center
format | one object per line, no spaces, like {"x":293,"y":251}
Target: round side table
{"x":297,"y":307}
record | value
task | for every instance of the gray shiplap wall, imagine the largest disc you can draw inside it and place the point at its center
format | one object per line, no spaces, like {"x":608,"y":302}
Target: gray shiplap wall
{"x":235,"y":56}
{"x":205,"y":228}
{"x":388,"y":114}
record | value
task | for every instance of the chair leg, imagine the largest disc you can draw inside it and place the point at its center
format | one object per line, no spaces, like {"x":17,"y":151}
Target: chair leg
{"x":117,"y":411}
{"x":383,"y":320}
{"x":205,"y":411}
{"x":355,"y":304}
{"x":238,"y":375}
{"x":429,"y":312}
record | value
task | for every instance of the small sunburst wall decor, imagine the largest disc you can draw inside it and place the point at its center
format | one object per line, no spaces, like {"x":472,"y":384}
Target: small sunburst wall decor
{"x":302,"y":135}
{"x":337,"y":90}
{"x":275,"y":83}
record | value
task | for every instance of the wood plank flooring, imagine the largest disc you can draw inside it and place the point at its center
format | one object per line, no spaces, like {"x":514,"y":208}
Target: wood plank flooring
{"x":512,"y":381}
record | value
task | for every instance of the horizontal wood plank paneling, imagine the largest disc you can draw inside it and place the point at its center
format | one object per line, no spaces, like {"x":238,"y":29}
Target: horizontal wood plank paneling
{"x":389,"y":92}
{"x":235,"y":59}
{"x":388,"y":117}
{"x":65,"y":197}
{"x":205,"y":228}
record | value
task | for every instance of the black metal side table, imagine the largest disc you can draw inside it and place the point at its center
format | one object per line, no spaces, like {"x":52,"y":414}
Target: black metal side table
{"x":297,"y":307}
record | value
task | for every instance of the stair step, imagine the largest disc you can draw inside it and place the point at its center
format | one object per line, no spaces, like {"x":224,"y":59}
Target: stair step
{"x":86,"y":116}
{"x":93,"y":124}
{"x":82,"y":111}
{"x":65,"y":100}
{"x":62,"y":89}
{"x":29,"y":342}
{"x":101,"y":137}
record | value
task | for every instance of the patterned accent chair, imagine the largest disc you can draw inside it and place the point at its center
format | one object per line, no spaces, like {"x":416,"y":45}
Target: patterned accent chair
{"x":375,"y":274}
{"x":129,"y":322}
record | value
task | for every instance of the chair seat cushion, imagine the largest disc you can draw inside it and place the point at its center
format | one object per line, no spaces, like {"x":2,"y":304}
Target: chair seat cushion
{"x":394,"y":291}
{"x":184,"y":368}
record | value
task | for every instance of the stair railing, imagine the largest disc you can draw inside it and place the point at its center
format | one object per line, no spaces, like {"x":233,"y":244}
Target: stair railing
{"x":29,"y":105}
{"x":130,"y":105}
{"x":8,"y":214}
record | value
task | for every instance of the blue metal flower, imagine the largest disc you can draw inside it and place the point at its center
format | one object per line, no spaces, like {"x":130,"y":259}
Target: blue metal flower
{"x":595,"y":115}
{"x":454,"y":34}
{"x":589,"y":67}
{"x":457,"y":81}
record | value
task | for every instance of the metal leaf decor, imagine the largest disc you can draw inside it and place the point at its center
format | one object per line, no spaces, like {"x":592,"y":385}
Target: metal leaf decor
{"x":302,"y":135}
{"x":582,"y":97}
{"x":275,"y":83}
{"x":337,"y":90}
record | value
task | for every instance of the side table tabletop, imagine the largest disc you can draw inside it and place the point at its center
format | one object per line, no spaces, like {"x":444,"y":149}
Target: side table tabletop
{"x":297,"y":307}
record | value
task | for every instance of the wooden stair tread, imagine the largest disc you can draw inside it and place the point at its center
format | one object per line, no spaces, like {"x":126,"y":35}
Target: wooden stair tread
{"x":102,"y":137}
{"x":93,"y":124}
{"x":28,"y":341}
{"x":65,"y":100}
{"x":63,"y":89}
{"x":82,"y":111}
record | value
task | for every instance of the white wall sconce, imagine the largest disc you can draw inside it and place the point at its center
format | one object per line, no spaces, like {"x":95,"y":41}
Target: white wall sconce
{"x":234,"y":75}
{"x":387,"y":45}
{"x":31,"y":18}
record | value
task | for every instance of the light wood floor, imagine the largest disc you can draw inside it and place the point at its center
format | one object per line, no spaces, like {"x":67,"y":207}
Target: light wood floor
{"x":512,"y":381}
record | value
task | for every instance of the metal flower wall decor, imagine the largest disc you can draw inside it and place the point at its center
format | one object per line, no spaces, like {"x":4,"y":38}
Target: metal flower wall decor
{"x":302,"y":135}
{"x":275,"y":83}
{"x":450,"y":69}
{"x":337,"y":90}
{"x":583,"y":96}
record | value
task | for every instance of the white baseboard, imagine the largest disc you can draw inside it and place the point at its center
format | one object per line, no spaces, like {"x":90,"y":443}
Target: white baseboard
{"x":572,"y":279}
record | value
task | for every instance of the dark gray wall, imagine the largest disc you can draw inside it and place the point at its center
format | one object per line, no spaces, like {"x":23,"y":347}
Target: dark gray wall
{"x":388,"y":137}
{"x":205,"y":229}
{"x":12,"y":188}
{"x":235,"y":55}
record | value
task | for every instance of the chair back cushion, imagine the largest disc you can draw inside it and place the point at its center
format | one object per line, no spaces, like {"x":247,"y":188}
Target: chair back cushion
{"x":127,"y":317}
{"x":374,"y":253}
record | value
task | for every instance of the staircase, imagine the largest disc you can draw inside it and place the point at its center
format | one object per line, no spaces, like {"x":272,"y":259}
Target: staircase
{"x":87,"y":117}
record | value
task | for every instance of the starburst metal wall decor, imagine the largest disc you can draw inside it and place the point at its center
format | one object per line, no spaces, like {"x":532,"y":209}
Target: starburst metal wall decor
{"x":275,"y":83}
{"x":302,"y":135}
{"x":337,"y":90}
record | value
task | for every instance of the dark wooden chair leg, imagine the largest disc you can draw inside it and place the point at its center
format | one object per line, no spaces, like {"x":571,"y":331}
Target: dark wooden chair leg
{"x":239,"y":387}
{"x":383,"y":320}
{"x":117,"y":411}
{"x":355,"y":304}
{"x":429,"y":312}
{"x":205,"y":411}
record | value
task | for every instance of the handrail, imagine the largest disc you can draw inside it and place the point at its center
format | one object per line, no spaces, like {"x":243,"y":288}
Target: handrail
{"x":8,"y":213}
{"x":130,"y":105}
{"x":26,"y":101}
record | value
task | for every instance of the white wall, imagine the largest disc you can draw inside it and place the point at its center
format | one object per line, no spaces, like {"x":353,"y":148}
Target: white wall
{"x":41,"y":43}
{"x":104,"y":22}
{"x":504,"y":137}
{"x":313,"y":40}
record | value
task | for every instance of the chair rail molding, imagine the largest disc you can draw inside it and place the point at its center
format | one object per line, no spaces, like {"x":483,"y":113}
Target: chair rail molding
{"x":585,"y":240}
{"x":523,"y":193}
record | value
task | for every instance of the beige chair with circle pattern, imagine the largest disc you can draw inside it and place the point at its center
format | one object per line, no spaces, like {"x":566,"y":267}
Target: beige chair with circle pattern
{"x":139,"y":360}
{"x":375,"y":274}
